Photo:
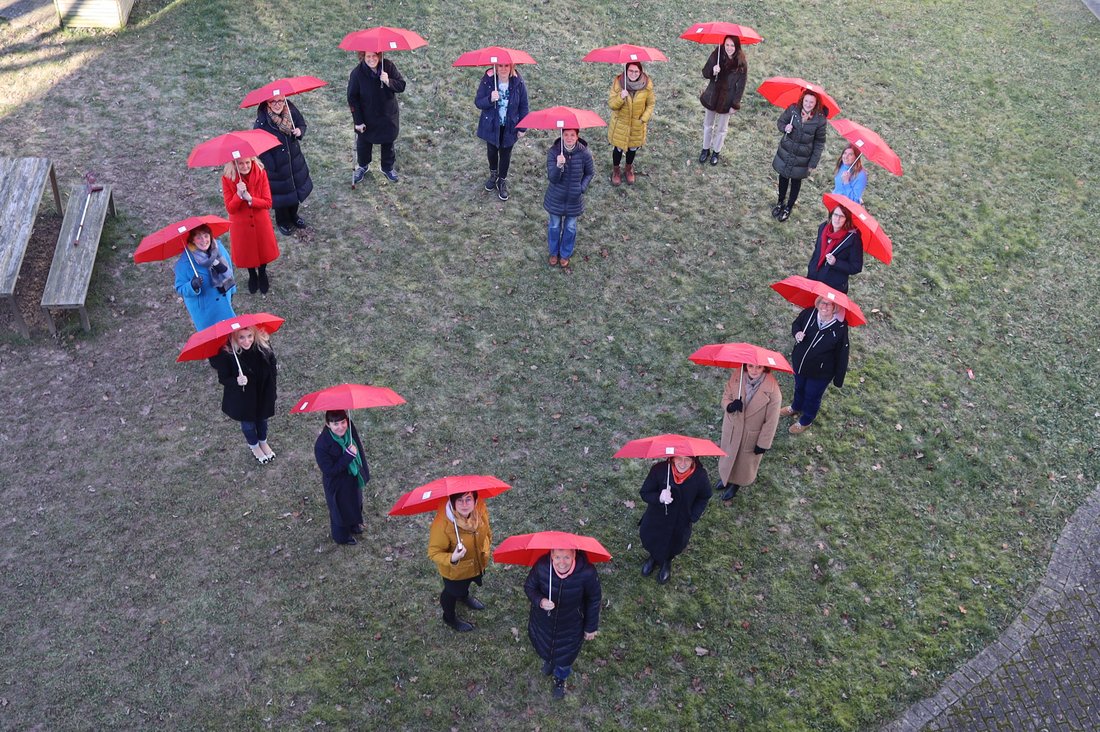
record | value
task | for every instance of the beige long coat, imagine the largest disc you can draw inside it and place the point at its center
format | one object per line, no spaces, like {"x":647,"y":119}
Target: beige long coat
{"x":744,"y":430}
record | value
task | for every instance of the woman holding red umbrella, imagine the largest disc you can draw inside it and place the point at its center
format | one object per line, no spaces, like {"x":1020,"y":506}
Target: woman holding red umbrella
{"x":570,"y":169}
{"x":373,"y":87}
{"x":459,"y":545}
{"x":727,"y":70}
{"x":247,"y":371}
{"x":344,"y":470}
{"x":631,"y":101}
{"x":838,"y":251}
{"x":803,"y":127}
{"x":565,"y":594}
{"x":247,"y":196}
{"x":204,"y":278}
{"x":820,"y":355}
{"x":502,"y":98}
{"x":849,"y":177}
{"x":750,"y":404}
{"x":285,"y":164}
{"x":677,"y":491}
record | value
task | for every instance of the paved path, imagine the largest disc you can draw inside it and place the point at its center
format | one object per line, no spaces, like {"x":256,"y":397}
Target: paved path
{"x":1043,"y":673}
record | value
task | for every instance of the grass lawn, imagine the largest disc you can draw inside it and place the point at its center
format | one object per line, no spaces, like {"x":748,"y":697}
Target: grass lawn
{"x":153,"y":576}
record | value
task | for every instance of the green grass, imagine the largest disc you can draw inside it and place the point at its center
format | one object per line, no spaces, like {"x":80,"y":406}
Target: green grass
{"x":153,"y":577}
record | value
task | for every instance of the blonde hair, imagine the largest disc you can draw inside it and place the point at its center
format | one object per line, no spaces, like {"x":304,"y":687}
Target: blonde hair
{"x":230,"y":170}
{"x":262,"y":340}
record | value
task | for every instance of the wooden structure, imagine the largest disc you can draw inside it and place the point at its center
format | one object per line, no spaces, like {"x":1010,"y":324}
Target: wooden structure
{"x":93,"y":13}
{"x":71,"y":271}
{"x":22,"y":183}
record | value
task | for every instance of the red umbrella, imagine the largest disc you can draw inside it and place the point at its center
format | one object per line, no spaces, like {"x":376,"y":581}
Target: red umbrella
{"x":804,"y":292}
{"x":231,"y":146}
{"x":348,"y":396}
{"x":428,"y":496}
{"x":624,"y":53}
{"x":783,"y":92}
{"x":282,"y":88}
{"x":734,"y":355}
{"x":663,"y":446}
{"x":492,"y":55}
{"x":875,"y":241}
{"x":170,"y":241}
{"x":382,"y":40}
{"x":715,"y":33}
{"x":868,"y":143}
{"x":561,"y":118}
{"x":208,"y":341}
{"x":526,"y":549}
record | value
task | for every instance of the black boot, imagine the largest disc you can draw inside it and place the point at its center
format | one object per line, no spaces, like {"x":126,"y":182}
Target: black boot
{"x":559,"y":689}
{"x":665,"y":573}
{"x":473,"y":603}
{"x":491,"y":182}
{"x":547,"y":668}
{"x":648,"y":566}
{"x":264,"y":284}
{"x":730,"y":492}
{"x":448,"y":602}
{"x":703,"y":156}
{"x":253,"y":282}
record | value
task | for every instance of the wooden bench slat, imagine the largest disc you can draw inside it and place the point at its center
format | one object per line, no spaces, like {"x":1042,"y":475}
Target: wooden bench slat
{"x":22,"y":183}
{"x":71,"y":271}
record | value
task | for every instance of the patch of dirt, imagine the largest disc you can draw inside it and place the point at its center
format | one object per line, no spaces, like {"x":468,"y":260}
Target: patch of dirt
{"x":35,"y":271}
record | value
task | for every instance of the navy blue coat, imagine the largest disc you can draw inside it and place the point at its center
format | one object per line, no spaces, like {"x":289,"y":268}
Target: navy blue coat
{"x":849,"y":260}
{"x":557,"y":635}
{"x":287,"y":172}
{"x":342,"y":494}
{"x":565,"y":194}
{"x":488,"y":124}
{"x":801,"y":149}
{"x":374,"y":104}
{"x":665,"y":530}
{"x":255,"y":400}
{"x":823,"y":353}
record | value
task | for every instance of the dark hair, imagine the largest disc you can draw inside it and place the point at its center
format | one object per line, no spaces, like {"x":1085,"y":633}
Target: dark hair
{"x":738,"y":55}
{"x":335,"y":415}
{"x":819,"y":106}
{"x":847,"y":216}
{"x":455,"y":496}
{"x":857,"y":166}
{"x":200,"y":229}
{"x":622,"y":77}
{"x":767,"y":369}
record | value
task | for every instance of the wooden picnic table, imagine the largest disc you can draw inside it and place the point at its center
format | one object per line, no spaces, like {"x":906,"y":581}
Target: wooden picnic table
{"x":22,"y":183}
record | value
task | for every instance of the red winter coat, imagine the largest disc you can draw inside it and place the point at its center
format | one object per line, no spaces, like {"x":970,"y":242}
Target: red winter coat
{"x":251,"y":236}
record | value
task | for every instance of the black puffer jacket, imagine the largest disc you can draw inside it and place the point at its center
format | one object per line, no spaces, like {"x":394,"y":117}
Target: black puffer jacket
{"x":287,"y":172}
{"x":823,"y":352}
{"x":801,"y":149}
{"x":256,"y":399}
{"x":557,"y":635}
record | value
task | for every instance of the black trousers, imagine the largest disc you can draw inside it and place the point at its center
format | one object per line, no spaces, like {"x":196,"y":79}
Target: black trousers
{"x":500,"y":158}
{"x":796,"y":186}
{"x":364,"y":151}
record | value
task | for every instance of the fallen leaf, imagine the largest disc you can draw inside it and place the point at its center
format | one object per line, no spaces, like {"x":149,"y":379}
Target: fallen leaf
{"x":700,"y":651}
{"x":962,"y":609}
{"x":628,"y":504}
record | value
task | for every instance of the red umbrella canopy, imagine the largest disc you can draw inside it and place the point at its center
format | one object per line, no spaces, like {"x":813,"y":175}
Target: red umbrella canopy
{"x":734,"y":355}
{"x":783,"y":92}
{"x":624,"y":53}
{"x":561,"y":118}
{"x":868,"y":144}
{"x":382,"y":40}
{"x":170,"y":241}
{"x":429,"y":496}
{"x":875,"y":241}
{"x":208,"y":341}
{"x":231,"y":146}
{"x":348,"y":396}
{"x":804,"y":292}
{"x":492,"y":55}
{"x":715,"y":33}
{"x":282,"y":88}
{"x":664,"y":446}
{"x":526,"y":549}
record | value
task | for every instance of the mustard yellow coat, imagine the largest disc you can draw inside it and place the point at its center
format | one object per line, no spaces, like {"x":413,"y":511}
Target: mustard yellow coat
{"x":442,"y":541}
{"x":630,"y":116}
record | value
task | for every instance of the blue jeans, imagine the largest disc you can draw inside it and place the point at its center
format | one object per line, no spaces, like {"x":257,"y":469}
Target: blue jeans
{"x":807,"y":397}
{"x":255,"y":432}
{"x":561,"y":239}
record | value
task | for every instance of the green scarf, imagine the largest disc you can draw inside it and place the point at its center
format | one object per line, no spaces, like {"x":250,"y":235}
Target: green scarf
{"x":357,"y":461}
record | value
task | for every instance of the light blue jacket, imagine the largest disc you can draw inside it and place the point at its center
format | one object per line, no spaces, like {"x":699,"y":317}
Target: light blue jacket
{"x":853,"y":189}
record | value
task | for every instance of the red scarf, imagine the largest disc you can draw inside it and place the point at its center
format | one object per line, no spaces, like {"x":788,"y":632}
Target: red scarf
{"x":677,"y":476}
{"x":830,"y":240}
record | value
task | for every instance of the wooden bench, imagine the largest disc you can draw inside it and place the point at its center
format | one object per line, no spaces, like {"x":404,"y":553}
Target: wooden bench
{"x":71,"y":271}
{"x":22,"y":183}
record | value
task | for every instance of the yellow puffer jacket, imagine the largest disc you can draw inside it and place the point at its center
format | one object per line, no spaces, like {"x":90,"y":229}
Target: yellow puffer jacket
{"x":630,"y":116}
{"x":442,"y":541}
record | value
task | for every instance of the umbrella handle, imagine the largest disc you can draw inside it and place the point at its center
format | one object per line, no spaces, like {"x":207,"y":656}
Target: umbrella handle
{"x":550,"y":586}
{"x":740,"y":380}
{"x":190,"y":260}
{"x":240,"y":372}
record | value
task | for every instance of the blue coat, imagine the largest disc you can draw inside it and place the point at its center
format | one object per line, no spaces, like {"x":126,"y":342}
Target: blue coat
{"x":853,"y":189}
{"x":488,"y":124}
{"x":342,"y":493}
{"x":665,"y":530}
{"x":287,"y":172}
{"x":208,"y":306}
{"x":565,"y":194}
{"x":557,"y":635}
{"x":849,"y":260}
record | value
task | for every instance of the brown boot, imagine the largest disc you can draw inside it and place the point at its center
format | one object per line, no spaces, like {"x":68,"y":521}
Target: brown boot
{"x":616,"y":175}
{"x":630,"y":174}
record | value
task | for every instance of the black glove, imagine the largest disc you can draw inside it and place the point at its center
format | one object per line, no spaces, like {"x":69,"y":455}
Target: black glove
{"x":734,"y":406}
{"x":759,"y":450}
{"x":218,"y":267}
{"x":196,"y":284}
